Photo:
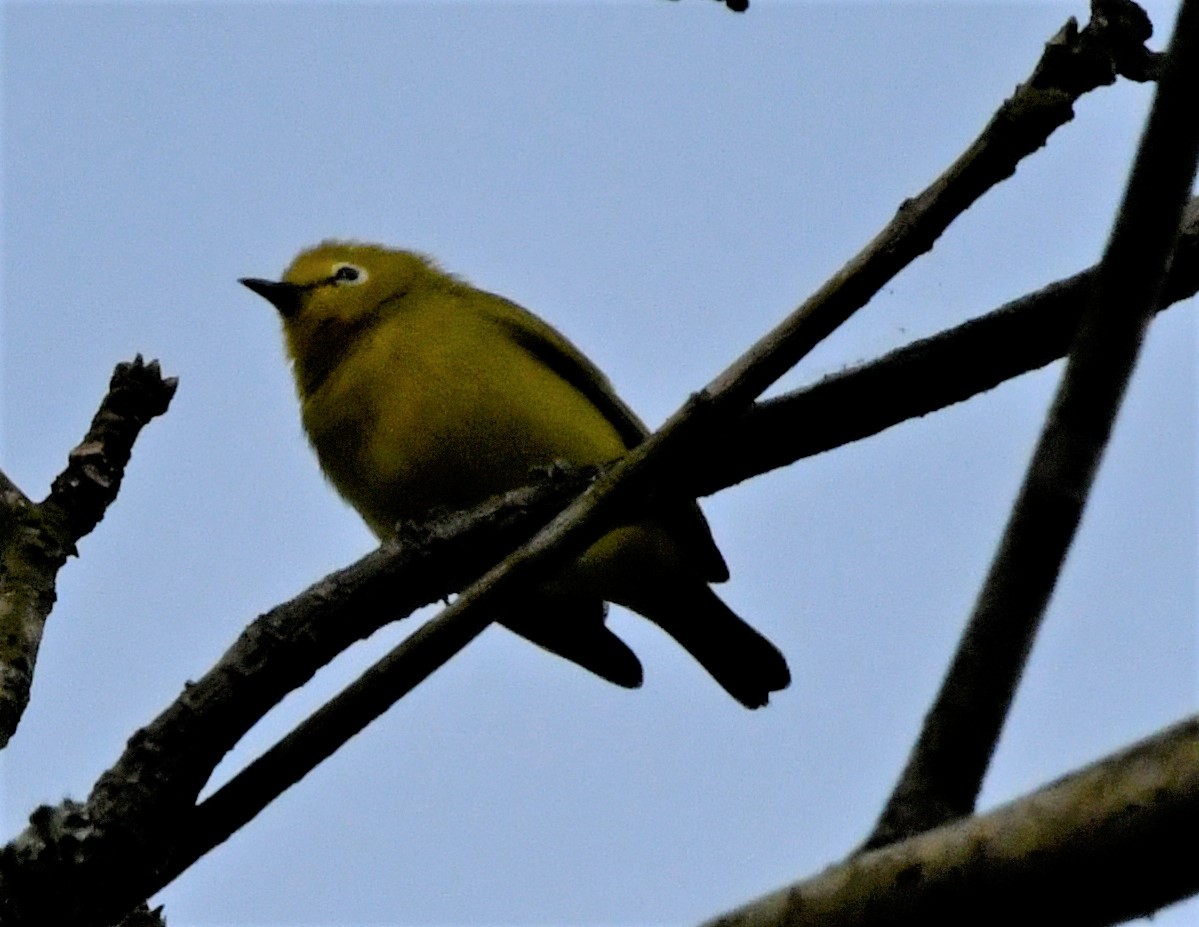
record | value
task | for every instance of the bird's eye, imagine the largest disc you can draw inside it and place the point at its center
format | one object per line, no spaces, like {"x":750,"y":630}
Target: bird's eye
{"x":348,"y":275}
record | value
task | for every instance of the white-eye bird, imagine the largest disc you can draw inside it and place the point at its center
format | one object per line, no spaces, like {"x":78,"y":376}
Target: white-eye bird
{"x":419,"y":391}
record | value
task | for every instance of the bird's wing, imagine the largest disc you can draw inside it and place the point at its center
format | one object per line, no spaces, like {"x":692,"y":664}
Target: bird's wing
{"x":557,"y":353}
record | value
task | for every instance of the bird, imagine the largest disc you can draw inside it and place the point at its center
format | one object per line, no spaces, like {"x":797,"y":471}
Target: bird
{"x":422,"y":393}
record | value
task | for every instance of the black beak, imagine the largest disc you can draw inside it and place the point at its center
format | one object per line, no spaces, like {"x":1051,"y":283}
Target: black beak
{"x":286,"y":297}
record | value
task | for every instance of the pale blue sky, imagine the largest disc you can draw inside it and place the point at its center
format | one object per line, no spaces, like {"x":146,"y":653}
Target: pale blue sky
{"x":662,"y":181}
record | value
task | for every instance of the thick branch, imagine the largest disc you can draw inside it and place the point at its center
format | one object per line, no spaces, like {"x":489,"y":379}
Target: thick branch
{"x":35,"y":540}
{"x":946,"y":768}
{"x":1100,"y":846}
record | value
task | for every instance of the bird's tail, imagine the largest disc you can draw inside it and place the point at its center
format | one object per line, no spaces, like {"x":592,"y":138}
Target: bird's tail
{"x":573,"y":627}
{"x":745,"y":663}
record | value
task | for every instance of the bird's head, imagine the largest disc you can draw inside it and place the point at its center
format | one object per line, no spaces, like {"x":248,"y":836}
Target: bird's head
{"x":333,"y":293}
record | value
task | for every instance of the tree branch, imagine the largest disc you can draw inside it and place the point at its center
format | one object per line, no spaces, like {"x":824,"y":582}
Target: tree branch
{"x":1100,"y":846}
{"x":919,"y":378}
{"x":141,"y":812}
{"x":36,"y":539}
{"x":945,"y":771}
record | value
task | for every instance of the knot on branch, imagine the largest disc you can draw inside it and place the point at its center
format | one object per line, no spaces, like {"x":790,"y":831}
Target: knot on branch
{"x":1111,"y":45}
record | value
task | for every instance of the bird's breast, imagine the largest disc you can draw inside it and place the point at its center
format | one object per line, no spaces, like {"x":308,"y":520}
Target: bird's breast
{"x":422,"y":416}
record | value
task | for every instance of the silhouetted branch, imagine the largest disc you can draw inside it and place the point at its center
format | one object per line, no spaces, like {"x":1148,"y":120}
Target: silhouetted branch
{"x":919,"y":378}
{"x":36,"y":539}
{"x":1100,"y":846}
{"x":1074,"y":62}
{"x":945,"y":771}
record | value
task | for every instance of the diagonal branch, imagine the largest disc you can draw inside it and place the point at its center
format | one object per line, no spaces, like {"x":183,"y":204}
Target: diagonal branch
{"x":919,"y":378}
{"x":946,"y":768}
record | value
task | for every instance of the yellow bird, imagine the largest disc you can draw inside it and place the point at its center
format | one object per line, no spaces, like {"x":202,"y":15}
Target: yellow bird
{"x":419,"y":392}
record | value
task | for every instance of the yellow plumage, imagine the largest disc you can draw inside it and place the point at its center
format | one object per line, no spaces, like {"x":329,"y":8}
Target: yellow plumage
{"x":419,"y":391}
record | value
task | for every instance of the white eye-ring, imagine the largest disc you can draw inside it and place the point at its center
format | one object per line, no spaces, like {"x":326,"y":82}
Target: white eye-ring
{"x":348,"y":275}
